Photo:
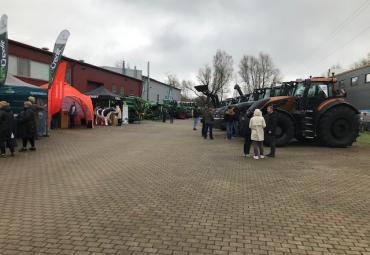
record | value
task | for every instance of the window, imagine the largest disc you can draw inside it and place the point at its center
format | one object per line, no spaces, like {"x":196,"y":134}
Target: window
{"x":323,"y":90}
{"x":367,"y":78}
{"x":39,"y":70}
{"x":312,"y":91}
{"x":354,"y":81}
{"x":341,"y":84}
{"x":28,"y":68}
{"x":299,"y":90}
{"x":12,"y":68}
{"x":267,"y":93}
{"x":122,"y":91}
{"x":23,"y":67}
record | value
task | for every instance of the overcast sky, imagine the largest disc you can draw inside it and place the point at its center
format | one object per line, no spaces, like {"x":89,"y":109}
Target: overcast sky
{"x":179,"y":37}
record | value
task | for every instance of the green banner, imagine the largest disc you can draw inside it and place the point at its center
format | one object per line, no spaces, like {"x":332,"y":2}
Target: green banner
{"x":59,"y":46}
{"x":3,"y":48}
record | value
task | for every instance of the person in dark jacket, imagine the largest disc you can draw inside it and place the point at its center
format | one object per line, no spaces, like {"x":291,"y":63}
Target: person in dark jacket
{"x":172,"y":114}
{"x":208,"y":121}
{"x":6,"y":129}
{"x":164,"y":114}
{"x":229,"y":120}
{"x":27,"y":127}
{"x":38,"y":110}
{"x":271,"y":130}
{"x":236,"y":122}
{"x":247,"y":134}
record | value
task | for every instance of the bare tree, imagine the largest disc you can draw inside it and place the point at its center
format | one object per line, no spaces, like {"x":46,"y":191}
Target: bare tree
{"x":186,"y":88}
{"x":173,"y":81}
{"x":258,"y":72}
{"x":205,"y":75}
{"x":217,"y":77}
{"x":222,"y":73}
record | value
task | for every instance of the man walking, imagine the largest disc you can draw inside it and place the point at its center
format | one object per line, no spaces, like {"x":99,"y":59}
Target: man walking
{"x":271,"y":130}
{"x":208,"y":121}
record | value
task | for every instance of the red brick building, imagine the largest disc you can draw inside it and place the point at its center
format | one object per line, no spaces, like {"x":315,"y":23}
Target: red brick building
{"x":31,"y":64}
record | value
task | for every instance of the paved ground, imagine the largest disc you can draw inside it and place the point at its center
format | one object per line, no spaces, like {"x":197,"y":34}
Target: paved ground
{"x":154,"y":188}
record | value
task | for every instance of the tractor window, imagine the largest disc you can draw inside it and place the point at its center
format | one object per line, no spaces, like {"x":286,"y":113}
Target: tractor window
{"x":299,"y":90}
{"x":267,"y":93}
{"x":312,"y":91}
{"x":277,"y":92}
{"x":323,"y":90}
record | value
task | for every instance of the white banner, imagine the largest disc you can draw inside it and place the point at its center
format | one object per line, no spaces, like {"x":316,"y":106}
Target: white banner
{"x":125,"y":114}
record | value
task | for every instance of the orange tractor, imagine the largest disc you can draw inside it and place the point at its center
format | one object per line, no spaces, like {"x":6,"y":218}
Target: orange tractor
{"x":316,"y":111}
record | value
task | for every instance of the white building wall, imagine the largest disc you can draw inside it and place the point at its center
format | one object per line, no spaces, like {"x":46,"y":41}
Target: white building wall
{"x":159,"y":92}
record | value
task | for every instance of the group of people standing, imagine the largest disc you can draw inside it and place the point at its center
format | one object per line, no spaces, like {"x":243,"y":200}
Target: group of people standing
{"x":254,"y":129}
{"x":170,"y":112}
{"x":24,"y":126}
{"x":255,"y":133}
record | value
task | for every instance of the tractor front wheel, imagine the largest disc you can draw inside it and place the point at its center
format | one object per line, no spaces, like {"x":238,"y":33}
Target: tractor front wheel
{"x":284,"y":130}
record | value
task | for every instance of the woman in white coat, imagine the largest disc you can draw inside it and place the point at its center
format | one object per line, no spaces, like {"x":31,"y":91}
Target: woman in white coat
{"x":257,"y":124}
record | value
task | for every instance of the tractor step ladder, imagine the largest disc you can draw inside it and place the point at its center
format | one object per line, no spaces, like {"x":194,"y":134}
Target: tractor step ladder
{"x":308,"y":127}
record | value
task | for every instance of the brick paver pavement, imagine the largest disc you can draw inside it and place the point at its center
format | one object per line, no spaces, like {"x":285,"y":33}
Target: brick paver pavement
{"x":156,"y":188}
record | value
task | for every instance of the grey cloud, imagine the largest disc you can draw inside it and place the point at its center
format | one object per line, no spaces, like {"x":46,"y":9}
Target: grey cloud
{"x":181,"y":36}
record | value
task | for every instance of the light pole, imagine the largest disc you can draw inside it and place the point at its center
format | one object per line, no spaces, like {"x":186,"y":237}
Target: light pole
{"x":148,"y":84}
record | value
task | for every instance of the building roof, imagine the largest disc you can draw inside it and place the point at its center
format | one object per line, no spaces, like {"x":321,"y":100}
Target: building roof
{"x":69,"y":59}
{"x":354,"y":69}
{"x":165,"y":84}
{"x":101,"y":92}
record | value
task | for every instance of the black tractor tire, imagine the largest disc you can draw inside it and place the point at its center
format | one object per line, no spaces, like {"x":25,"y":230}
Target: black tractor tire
{"x":339,"y":127}
{"x":284,"y":130}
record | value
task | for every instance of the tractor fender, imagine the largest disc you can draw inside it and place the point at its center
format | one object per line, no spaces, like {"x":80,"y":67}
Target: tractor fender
{"x":279,"y":110}
{"x":331,"y":106}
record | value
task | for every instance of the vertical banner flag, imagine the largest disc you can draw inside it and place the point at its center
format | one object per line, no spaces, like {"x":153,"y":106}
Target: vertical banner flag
{"x":59,"y":46}
{"x":3,"y":48}
{"x":125,"y":113}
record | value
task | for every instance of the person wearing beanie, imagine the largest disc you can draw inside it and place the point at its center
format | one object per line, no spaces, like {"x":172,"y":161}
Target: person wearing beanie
{"x":27,"y":124}
{"x":257,"y":124}
{"x":6,"y":129}
{"x":37,"y":109}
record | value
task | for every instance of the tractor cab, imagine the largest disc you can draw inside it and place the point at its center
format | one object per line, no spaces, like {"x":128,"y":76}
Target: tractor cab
{"x":312,"y":94}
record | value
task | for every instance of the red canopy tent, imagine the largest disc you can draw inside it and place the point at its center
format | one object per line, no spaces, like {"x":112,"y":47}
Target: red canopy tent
{"x":61,"y":90}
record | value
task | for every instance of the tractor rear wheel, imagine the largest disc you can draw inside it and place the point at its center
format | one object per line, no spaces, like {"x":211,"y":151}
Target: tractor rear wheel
{"x":339,"y":127}
{"x":284,"y":130}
